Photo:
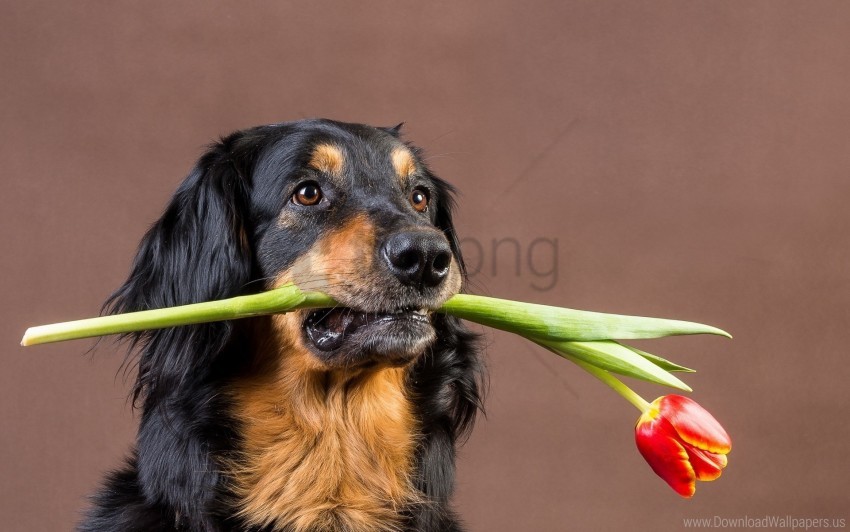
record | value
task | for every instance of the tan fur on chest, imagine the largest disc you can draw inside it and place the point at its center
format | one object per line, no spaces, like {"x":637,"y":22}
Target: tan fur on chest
{"x":323,"y":450}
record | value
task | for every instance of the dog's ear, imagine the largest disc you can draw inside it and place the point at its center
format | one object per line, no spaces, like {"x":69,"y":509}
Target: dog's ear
{"x":197,"y":251}
{"x":395,"y":130}
{"x":467,"y":383}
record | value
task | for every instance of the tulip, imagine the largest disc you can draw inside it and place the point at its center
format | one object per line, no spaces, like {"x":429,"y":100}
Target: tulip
{"x":679,"y":439}
{"x":682,"y":442}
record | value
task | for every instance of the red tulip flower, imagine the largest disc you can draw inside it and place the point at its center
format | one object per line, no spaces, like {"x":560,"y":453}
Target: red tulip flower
{"x":682,"y":442}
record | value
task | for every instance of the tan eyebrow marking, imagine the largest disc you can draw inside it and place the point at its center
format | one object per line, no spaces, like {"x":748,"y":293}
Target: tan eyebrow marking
{"x":403,"y":162}
{"x":327,"y":158}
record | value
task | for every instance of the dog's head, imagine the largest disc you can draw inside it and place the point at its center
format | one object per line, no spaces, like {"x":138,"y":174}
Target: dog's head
{"x":346,"y":209}
{"x":353,"y":212}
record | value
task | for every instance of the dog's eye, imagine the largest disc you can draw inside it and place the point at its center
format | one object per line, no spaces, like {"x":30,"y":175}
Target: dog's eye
{"x":419,"y":199}
{"x":307,"y":194}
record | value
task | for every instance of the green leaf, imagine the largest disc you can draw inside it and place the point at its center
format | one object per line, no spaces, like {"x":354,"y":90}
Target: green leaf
{"x":662,"y":363}
{"x":555,"y":323}
{"x":616,"y":358}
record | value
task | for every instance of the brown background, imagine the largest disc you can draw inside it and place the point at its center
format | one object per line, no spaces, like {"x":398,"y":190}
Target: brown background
{"x":691,"y":158}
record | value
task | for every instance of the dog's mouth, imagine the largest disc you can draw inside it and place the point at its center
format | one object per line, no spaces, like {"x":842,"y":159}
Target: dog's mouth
{"x":347,"y":335}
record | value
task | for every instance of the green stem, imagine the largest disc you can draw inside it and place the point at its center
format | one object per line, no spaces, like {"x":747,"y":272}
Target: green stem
{"x":614,"y":383}
{"x":315,"y":300}
{"x":283,"y":299}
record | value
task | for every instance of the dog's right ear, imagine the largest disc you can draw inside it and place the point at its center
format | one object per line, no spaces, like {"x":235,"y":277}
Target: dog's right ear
{"x":197,"y":251}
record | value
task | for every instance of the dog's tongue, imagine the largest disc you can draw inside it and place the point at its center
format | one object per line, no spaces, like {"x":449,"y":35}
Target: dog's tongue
{"x":338,"y":319}
{"x":327,"y":328}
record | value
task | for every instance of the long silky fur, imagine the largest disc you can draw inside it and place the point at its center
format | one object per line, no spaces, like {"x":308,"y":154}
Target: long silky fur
{"x":201,"y":249}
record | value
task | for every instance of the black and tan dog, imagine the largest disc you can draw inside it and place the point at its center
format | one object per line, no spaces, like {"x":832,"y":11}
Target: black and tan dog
{"x":341,"y":419}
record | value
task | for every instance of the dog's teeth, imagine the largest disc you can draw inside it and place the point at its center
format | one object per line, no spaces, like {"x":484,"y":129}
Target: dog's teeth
{"x":408,"y":310}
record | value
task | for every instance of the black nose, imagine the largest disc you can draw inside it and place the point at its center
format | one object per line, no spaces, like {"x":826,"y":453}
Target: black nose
{"x":418,"y":258}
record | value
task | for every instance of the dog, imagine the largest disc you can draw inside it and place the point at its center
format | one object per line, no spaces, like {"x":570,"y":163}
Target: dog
{"x":342,"y":419}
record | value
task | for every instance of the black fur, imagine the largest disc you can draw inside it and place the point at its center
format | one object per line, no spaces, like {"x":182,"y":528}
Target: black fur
{"x":216,"y":239}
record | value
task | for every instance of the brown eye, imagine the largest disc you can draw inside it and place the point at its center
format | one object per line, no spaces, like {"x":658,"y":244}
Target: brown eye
{"x":419,"y":199}
{"x":307,"y":194}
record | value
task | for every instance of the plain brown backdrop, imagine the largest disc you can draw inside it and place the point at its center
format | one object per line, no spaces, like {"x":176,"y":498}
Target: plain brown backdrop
{"x":691,"y":159}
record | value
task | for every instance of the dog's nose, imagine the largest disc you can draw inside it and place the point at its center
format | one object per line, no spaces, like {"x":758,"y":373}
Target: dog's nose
{"x":418,"y":258}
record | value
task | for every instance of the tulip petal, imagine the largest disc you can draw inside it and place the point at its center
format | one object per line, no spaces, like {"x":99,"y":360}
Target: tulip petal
{"x":707,"y":465}
{"x":657,"y":442}
{"x":694,"y":424}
